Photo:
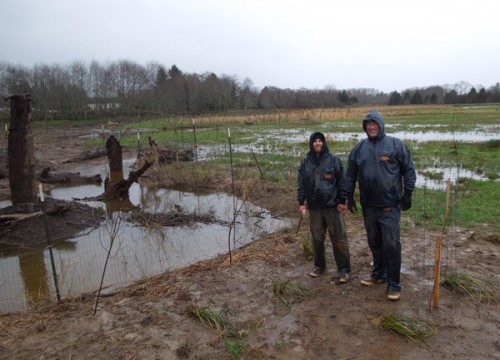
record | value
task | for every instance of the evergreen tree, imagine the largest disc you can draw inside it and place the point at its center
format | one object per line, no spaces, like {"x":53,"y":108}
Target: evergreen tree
{"x":416,"y":98}
{"x":395,"y":98}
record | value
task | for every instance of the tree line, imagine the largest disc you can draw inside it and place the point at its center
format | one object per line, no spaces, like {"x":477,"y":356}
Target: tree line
{"x":124,"y":88}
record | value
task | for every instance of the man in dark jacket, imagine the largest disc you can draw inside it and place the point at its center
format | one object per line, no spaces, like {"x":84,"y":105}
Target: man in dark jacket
{"x":321,"y":191}
{"x":383,"y":167}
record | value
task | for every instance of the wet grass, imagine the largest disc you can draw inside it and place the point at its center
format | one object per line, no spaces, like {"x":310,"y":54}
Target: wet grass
{"x":471,"y":203}
{"x":288,"y":291}
{"x":408,"y":326}
{"x":479,"y":289}
{"x":307,"y":248}
{"x":213,"y":318}
{"x":267,"y":145}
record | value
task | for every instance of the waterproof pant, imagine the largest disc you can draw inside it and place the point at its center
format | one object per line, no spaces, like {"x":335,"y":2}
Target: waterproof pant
{"x":382,"y":228}
{"x":333,"y":221}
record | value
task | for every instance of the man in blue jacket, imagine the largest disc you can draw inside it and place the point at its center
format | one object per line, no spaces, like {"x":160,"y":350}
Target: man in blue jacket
{"x":383,"y":167}
{"x":321,"y":190}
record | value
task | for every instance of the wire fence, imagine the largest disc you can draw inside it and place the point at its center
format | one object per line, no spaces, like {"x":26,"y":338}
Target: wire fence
{"x":119,"y":252}
{"x":133,"y":253}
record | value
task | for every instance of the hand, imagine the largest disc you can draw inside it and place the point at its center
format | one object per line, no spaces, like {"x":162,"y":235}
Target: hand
{"x":303,"y":209}
{"x":406,"y":200}
{"x":351,"y":205}
{"x":341,"y":207}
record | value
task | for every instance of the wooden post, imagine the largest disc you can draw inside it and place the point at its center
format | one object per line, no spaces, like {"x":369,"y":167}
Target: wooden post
{"x":22,"y":177}
{"x":439,"y":242}
{"x":437,"y":273}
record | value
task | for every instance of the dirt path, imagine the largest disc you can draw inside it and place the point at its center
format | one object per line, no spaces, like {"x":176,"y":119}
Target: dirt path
{"x":151,"y":320}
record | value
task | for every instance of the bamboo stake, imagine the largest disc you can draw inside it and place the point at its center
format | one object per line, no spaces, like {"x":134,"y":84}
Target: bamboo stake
{"x":437,"y":273}
{"x":439,"y":242}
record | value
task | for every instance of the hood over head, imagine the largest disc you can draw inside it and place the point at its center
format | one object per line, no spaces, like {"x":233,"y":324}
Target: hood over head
{"x":318,"y":135}
{"x":374,"y":115}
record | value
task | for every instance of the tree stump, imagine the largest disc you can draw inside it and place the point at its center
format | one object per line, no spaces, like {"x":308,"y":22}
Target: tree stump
{"x":114,"y":151}
{"x":22,"y":179}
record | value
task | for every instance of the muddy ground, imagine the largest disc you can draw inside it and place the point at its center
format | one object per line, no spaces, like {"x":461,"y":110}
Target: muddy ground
{"x":151,"y":320}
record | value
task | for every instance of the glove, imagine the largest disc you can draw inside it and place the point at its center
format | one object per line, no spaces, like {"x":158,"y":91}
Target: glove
{"x":406,"y":200}
{"x":351,"y":205}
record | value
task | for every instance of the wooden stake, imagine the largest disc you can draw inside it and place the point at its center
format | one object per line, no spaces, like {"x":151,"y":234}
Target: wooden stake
{"x":439,"y":242}
{"x":437,"y":273}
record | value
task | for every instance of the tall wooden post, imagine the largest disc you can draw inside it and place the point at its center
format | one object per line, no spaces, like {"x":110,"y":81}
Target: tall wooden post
{"x":21,"y":154}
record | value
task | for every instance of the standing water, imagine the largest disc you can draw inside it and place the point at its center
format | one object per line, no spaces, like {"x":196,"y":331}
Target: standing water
{"x":137,"y":252}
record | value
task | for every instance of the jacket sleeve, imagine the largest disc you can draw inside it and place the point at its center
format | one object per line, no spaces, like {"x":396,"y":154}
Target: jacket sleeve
{"x":301,"y":196}
{"x":351,"y":173}
{"x":341,"y":176}
{"x":408,"y":169}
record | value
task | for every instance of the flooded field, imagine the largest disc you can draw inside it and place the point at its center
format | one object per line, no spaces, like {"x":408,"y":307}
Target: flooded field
{"x":141,"y":252}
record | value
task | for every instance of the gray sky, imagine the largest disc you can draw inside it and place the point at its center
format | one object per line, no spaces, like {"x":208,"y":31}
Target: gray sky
{"x":382,"y":44}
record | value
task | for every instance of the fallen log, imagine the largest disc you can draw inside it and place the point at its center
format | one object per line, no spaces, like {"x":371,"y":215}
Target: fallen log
{"x":11,"y":219}
{"x":48,"y":177}
{"x":88,"y":156}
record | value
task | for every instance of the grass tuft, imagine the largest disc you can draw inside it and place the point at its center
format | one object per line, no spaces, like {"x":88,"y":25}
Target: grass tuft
{"x":477,"y":288}
{"x":211,"y":317}
{"x":408,"y":326}
{"x":288,"y":291}
{"x":307,"y":248}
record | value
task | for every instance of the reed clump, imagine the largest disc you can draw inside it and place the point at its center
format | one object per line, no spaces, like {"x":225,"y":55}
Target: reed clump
{"x":288,"y":291}
{"x":408,"y":326}
{"x":479,"y":289}
{"x":211,"y":317}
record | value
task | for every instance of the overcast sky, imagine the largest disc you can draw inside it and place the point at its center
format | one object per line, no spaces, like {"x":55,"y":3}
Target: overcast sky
{"x":382,"y":44}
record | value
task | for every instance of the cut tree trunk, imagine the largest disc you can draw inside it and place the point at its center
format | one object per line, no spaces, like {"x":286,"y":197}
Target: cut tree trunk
{"x":119,"y":190}
{"x":117,"y":187}
{"x":114,"y":152}
{"x":22,"y":179}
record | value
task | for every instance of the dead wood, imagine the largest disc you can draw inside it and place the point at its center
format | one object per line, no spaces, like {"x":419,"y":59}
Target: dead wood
{"x":87,"y":156}
{"x":120,"y":189}
{"x":173,"y":218}
{"x":114,"y":151}
{"x":168,"y":156}
{"x":48,"y":177}
{"x":11,"y":219}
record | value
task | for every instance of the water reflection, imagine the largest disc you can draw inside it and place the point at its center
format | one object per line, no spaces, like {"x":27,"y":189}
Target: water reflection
{"x":137,"y":252}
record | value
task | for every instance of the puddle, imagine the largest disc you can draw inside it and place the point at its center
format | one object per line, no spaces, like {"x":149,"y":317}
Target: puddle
{"x":452,"y":173}
{"x":137,"y":253}
{"x":482,"y":134}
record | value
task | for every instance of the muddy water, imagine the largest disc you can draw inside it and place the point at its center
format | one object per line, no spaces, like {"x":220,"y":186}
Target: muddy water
{"x":136,"y":252}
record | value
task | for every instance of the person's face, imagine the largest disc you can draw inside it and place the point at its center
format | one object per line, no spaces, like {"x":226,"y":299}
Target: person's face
{"x":372,"y":129}
{"x":318,"y":145}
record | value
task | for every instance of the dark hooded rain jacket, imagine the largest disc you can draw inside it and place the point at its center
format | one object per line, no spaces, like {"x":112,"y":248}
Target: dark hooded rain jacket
{"x":321,"y":180}
{"x":383,"y":166}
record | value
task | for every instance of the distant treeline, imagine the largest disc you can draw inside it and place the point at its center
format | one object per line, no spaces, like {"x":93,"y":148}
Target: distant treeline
{"x":125,"y":89}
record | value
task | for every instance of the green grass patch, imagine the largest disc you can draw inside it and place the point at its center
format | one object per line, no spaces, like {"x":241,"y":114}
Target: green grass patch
{"x":307,"y":248}
{"x":471,"y":203}
{"x":234,"y":347}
